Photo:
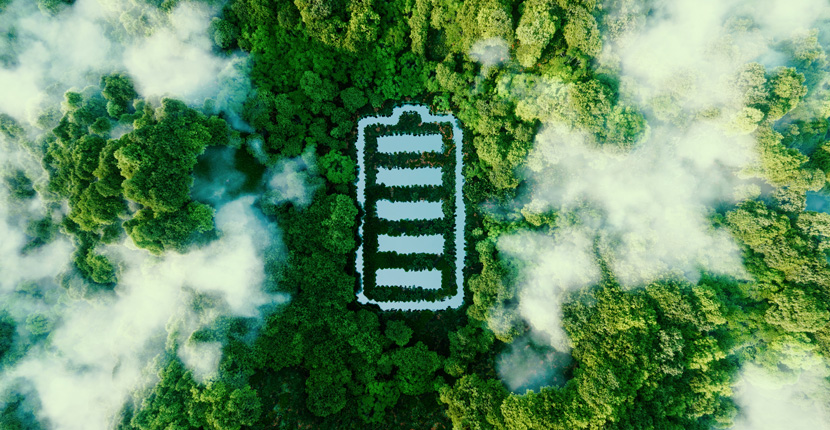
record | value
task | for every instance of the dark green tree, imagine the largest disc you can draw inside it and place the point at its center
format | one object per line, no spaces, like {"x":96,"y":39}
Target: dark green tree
{"x":119,"y":92}
{"x":338,"y":168}
{"x":7,"y":334}
{"x":398,"y":332}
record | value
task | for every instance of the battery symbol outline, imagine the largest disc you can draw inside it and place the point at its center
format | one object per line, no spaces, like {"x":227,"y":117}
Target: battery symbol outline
{"x":455,"y":300}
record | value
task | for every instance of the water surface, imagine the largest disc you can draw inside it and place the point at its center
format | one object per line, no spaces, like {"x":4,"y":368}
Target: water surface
{"x":410,"y":143}
{"x":818,"y":202}
{"x":414,"y":143}
{"x":402,"y":177}
{"x":397,"y":211}
{"x":431,"y":244}
{"x":428,"y":279}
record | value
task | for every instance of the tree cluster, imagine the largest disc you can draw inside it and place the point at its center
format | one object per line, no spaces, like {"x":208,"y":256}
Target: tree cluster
{"x":663,"y":355}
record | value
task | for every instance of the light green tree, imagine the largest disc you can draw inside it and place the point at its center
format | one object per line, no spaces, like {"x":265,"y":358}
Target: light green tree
{"x":398,"y":332}
{"x":535,"y":30}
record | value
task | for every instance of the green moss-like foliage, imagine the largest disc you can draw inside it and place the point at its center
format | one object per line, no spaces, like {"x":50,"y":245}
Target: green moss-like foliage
{"x":160,"y":231}
{"x":19,"y":185}
{"x":150,"y":166}
{"x":398,"y":332}
{"x":660,"y":356}
{"x":7,"y":334}
{"x":338,"y":168}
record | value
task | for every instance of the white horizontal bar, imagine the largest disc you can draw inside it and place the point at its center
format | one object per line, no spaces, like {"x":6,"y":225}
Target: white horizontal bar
{"x":396,"y":211}
{"x":428,"y":279}
{"x":410,"y":143}
{"x":420,"y":176}
{"x":432,"y":244}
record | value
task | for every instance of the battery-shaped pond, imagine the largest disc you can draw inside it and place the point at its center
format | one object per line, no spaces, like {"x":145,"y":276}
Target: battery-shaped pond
{"x":411,"y":254}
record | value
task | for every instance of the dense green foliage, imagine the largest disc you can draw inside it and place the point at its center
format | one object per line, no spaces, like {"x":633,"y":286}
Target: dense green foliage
{"x":178,"y":403}
{"x":150,"y":166}
{"x":7,"y":334}
{"x":662,"y":355}
{"x":321,"y":64}
{"x":653,"y":359}
{"x":15,"y":416}
{"x":19,"y":185}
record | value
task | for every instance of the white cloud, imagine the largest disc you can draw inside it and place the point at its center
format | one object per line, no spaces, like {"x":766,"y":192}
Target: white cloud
{"x":771,"y":402}
{"x":528,"y":367}
{"x":291,"y":179}
{"x":103,"y":350}
{"x":555,"y":265}
{"x":166,"y":55}
{"x":177,"y":60}
{"x":490,"y":52}
{"x":646,"y":211}
{"x":105,"y":346}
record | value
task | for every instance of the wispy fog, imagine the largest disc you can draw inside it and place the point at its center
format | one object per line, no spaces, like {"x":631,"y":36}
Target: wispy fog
{"x":100,"y":350}
{"x":164,"y":54}
{"x":293,"y":179}
{"x":646,"y":210}
{"x":81,"y":354}
{"x":529,"y":367}
{"x":770,"y":401}
{"x":45,"y":262}
{"x":178,"y":59}
{"x":490,"y":52}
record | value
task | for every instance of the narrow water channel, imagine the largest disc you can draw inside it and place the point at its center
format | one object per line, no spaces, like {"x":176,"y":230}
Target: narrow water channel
{"x":413,"y":210}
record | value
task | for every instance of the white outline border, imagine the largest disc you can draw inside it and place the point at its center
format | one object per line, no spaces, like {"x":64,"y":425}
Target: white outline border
{"x":456,"y":300}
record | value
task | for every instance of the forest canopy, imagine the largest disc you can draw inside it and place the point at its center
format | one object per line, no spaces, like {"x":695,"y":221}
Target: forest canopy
{"x":645,"y":189}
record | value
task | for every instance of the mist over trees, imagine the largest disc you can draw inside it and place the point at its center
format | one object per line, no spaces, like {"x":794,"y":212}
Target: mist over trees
{"x":149,"y":166}
{"x":636,"y":184}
